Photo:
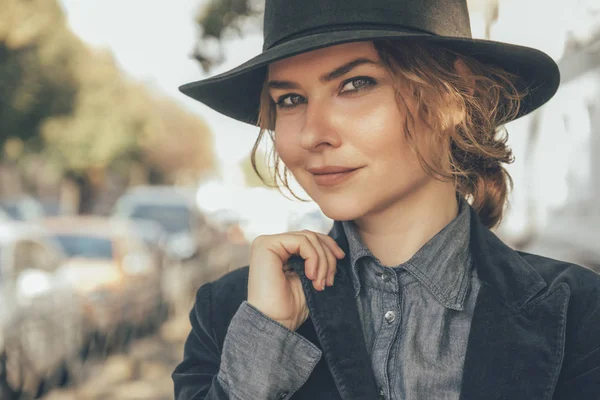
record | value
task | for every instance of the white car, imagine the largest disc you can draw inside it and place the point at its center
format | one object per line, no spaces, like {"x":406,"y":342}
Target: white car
{"x":174,"y":210}
{"x":40,"y":318}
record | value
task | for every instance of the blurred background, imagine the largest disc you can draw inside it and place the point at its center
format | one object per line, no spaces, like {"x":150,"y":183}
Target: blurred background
{"x":119,"y":196}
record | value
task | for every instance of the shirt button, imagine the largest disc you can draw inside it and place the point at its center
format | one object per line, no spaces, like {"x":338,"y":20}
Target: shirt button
{"x":282,"y":395}
{"x":390,"y":316}
{"x":386,"y":276}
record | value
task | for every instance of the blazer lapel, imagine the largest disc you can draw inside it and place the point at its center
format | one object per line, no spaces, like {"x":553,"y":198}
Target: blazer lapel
{"x":334,"y":314}
{"x":516,"y":344}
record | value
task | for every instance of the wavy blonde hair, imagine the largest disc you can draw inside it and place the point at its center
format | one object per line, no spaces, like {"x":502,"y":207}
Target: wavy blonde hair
{"x":467,"y":145}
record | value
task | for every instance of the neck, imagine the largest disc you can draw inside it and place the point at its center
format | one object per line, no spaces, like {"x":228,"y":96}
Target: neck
{"x":396,"y":233}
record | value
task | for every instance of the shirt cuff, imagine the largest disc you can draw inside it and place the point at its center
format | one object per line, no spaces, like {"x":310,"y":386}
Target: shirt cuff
{"x":262,"y":359}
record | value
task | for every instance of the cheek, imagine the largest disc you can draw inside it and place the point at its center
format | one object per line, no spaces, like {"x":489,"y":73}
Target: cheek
{"x":379,"y":130}
{"x":286,"y":147}
{"x":382,"y":139}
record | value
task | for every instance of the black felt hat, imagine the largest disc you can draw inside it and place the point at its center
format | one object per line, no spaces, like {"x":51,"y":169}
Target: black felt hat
{"x":293,"y":27}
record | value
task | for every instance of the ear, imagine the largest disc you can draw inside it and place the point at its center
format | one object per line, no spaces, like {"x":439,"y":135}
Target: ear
{"x":465,"y":72}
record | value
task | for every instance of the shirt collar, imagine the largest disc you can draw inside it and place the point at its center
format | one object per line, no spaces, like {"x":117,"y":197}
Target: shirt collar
{"x":442,"y":265}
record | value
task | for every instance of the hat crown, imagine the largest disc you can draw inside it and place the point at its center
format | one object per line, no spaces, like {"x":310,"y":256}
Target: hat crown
{"x":287,"y":19}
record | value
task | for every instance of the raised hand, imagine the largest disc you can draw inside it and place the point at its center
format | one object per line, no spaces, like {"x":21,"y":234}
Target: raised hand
{"x":275,"y":290}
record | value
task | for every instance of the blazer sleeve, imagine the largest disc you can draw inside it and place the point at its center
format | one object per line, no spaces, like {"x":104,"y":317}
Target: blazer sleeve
{"x":260,"y":358}
{"x":581,"y":378}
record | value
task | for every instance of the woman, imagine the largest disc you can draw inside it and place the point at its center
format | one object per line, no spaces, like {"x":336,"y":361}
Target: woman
{"x":387,"y":114}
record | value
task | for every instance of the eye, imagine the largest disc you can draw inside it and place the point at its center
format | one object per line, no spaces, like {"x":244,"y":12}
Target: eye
{"x":289,"y":100}
{"x":357,"y":84}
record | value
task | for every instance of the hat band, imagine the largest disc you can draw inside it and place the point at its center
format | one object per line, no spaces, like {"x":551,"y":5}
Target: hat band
{"x":348,"y":27}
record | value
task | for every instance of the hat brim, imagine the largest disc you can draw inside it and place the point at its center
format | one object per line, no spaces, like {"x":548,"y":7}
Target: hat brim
{"x":236,"y":93}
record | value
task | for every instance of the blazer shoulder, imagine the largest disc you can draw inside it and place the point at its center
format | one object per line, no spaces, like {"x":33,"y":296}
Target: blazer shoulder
{"x":579,"y":279}
{"x":584,"y":289}
{"x":580,"y":371}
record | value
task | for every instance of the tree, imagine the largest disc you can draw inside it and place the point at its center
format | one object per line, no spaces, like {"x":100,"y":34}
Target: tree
{"x":36,"y":80}
{"x":219,"y":18}
{"x":68,"y":107}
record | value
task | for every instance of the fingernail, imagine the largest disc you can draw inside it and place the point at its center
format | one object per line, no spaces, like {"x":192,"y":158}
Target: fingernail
{"x":330,"y":281}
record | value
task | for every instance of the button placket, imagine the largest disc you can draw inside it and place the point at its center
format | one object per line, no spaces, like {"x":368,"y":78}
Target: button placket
{"x":385,"y":281}
{"x":390,"y":317}
{"x":386,"y":276}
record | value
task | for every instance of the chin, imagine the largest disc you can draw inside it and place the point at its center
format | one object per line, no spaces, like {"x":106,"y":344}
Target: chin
{"x":341,"y":211}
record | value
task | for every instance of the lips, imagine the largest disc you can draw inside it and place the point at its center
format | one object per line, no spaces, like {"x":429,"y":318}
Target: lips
{"x":329,"y":170}
{"x":332,"y":175}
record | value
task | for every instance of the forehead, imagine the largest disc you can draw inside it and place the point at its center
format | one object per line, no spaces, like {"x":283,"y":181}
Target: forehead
{"x":324,"y":59}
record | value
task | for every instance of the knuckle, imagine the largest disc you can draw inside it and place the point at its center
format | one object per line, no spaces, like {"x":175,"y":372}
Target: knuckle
{"x":306,"y":241}
{"x":257,"y":242}
{"x":332,"y":241}
{"x":309,"y":233}
{"x":261,"y":238}
{"x":260,"y":241}
{"x":329,"y":240}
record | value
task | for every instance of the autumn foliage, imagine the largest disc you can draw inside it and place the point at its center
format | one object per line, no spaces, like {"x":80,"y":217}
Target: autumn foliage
{"x":69,"y":103}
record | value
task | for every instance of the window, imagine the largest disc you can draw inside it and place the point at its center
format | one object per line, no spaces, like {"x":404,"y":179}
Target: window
{"x":173,"y":218}
{"x":97,"y":248}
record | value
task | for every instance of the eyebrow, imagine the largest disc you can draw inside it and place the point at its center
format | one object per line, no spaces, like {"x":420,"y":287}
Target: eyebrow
{"x":328,"y":77}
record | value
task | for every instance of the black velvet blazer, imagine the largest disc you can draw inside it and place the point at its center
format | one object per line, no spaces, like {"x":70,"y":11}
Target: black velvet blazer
{"x":535,"y":333}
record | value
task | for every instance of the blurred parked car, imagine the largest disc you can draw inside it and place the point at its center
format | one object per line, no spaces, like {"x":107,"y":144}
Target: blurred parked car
{"x":51,"y":207}
{"x":113,"y":272}
{"x":156,"y":239}
{"x":190,"y":239}
{"x":174,"y":209}
{"x":4,"y":216}
{"x":40,"y":321}
{"x":22,"y":208}
{"x":230,"y":223}
{"x":200,"y":250}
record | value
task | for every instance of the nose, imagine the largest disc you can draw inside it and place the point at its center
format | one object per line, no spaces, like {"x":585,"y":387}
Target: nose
{"x":320,"y":129}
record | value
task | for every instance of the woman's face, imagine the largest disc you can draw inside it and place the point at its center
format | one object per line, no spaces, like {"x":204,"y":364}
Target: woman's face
{"x":339,"y":130}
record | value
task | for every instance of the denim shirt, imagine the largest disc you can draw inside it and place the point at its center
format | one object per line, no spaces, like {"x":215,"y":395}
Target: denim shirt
{"x":416,"y":317}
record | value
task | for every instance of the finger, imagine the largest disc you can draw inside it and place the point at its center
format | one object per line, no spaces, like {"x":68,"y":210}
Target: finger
{"x":331,"y":261}
{"x":320,"y":274}
{"x":325,"y":265}
{"x":293,"y":243}
{"x":332,"y":245}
